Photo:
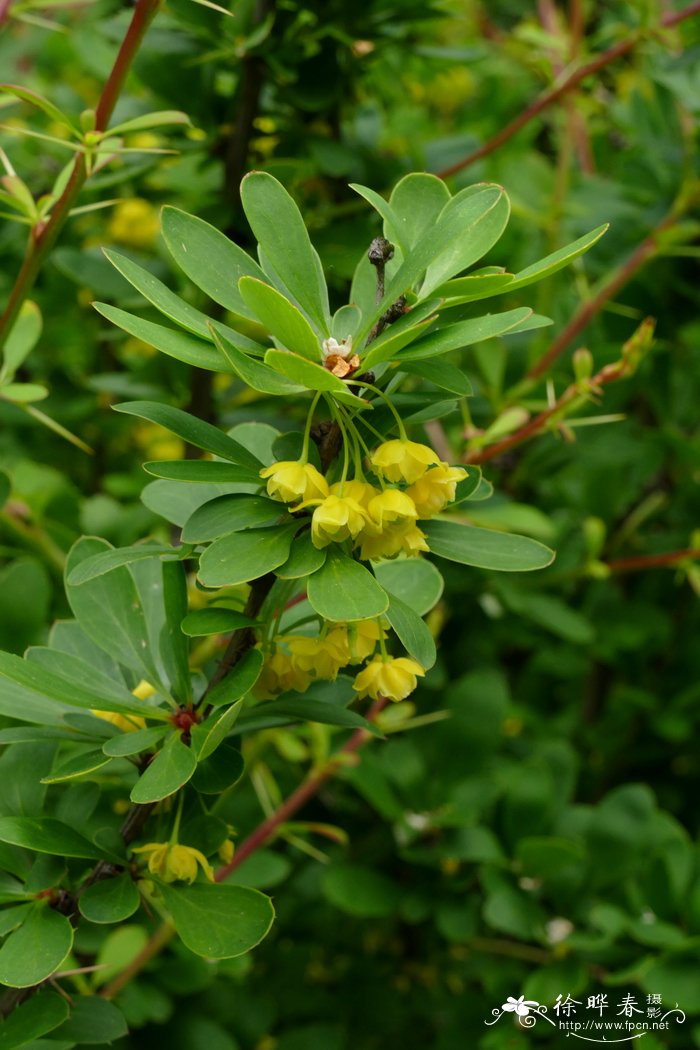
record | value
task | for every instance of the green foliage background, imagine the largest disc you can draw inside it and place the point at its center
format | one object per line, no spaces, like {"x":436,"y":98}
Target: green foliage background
{"x":542,"y":839}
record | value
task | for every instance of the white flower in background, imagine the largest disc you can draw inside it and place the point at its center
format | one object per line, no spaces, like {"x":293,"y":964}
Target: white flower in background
{"x":558,"y":930}
{"x":520,"y":1006}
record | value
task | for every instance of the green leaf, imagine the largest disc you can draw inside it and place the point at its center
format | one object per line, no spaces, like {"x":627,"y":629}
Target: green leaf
{"x":203,"y":622}
{"x":29,"y":1021}
{"x":157,"y":119}
{"x":474,"y":287}
{"x":133,"y":743}
{"x":168,"y":340}
{"x":357,"y":890}
{"x":303,"y":558}
{"x":65,"y":680}
{"x":213,"y":262}
{"x":157,"y":293}
{"x":464,"y":251}
{"x":44,"y":104}
{"x":393,"y":227}
{"x":207,"y":736}
{"x":170,"y":769}
{"x":231,"y":514}
{"x":417,"y":201}
{"x":220,"y":771}
{"x":202,"y":472}
{"x":468,"y":486}
{"x":239,"y":681}
{"x":23,"y":393}
{"x":109,"y":900}
{"x":93,"y":1020}
{"x":286,"y":323}
{"x":485,"y":548}
{"x":557,"y":260}
{"x":465,"y":333}
{"x":257,"y":375}
{"x":35,"y":950}
{"x":172,"y":644}
{"x":343,"y":589}
{"x":278,"y":226}
{"x":110,"y":611}
{"x":304,"y":709}
{"x":77,"y":766}
{"x":310,"y":375}
{"x":47,"y":835}
{"x":244,"y":556}
{"x":442,"y":374}
{"x":23,"y":337}
{"x":412,"y":632}
{"x":106,"y":561}
{"x":415,"y":581}
{"x":459,"y":227}
{"x":218,"y":922}
{"x":192,"y":430}
{"x":396,"y":337}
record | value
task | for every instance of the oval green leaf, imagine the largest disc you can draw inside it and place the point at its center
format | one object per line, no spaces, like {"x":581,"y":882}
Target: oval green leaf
{"x":486,"y":548}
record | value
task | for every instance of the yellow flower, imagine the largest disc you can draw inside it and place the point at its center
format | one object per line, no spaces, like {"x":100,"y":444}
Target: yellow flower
{"x":175,"y":863}
{"x":320,"y":657}
{"x":391,"y":506}
{"x":144,"y":690}
{"x":280,"y":674}
{"x":413,"y":540}
{"x":291,"y":480}
{"x":435,"y":489}
{"x":393,"y":678}
{"x":362,"y":639}
{"x":400,"y":460}
{"x":401,"y":537}
{"x":127,"y":723}
{"x":134,"y":222}
{"x":361,"y":491}
{"x":225,"y":851}
{"x":335,"y":519}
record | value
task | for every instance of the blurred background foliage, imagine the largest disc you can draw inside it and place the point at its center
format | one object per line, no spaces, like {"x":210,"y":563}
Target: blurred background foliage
{"x":536,"y":833}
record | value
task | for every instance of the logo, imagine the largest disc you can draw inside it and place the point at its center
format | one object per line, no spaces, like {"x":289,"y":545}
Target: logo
{"x":599,"y":1021}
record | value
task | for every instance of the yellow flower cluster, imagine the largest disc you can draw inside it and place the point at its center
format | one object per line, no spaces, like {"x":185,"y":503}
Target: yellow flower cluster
{"x":299,"y":659}
{"x":381,"y":522}
{"x":175,"y":863}
{"x":391,"y":677}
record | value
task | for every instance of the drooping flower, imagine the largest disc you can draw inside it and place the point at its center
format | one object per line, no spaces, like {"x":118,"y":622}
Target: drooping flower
{"x":400,"y":460}
{"x":319,"y":657}
{"x":435,"y":489}
{"x":291,"y":481}
{"x":392,"y":677}
{"x":362,"y":639}
{"x":335,"y":519}
{"x":391,"y":506}
{"x":175,"y":863}
{"x":279,"y":675}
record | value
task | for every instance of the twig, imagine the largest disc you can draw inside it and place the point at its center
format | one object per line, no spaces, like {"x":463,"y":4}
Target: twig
{"x":632,"y":350}
{"x":653,"y":561}
{"x":641,"y":254}
{"x":43,"y":237}
{"x":554,"y":93}
{"x":5,"y":6}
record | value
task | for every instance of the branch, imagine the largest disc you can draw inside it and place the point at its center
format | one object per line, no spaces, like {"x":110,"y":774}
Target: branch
{"x":554,"y":93}
{"x":262,"y":834}
{"x":653,"y":561}
{"x":641,"y":254}
{"x":43,"y":236}
{"x":580,"y":390}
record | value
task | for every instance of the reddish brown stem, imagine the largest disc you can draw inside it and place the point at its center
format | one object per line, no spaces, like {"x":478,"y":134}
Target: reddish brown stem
{"x":5,"y":6}
{"x":535,"y":425}
{"x":653,"y":561}
{"x":554,"y":93}
{"x":265,"y":831}
{"x":641,"y":254}
{"x":43,"y":237}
